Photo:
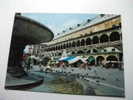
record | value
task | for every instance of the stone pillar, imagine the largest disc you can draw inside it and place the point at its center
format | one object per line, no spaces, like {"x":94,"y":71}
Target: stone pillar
{"x":108,"y":37}
{"x":121,"y":36}
{"x":15,"y":59}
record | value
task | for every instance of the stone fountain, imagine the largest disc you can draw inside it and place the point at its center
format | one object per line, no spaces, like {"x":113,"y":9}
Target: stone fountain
{"x":25,"y":32}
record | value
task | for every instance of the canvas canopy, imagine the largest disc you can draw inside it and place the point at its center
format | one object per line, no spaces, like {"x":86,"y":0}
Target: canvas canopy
{"x":91,"y":59}
{"x":72,"y":59}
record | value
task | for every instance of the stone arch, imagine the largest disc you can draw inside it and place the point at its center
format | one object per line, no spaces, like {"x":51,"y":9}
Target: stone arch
{"x":61,"y":46}
{"x":74,"y":44}
{"x":112,"y":58}
{"x":78,"y":43}
{"x":67,"y":45}
{"x":73,"y":52}
{"x":104,"y":38}
{"x":70,"y":44}
{"x":94,"y":50}
{"x":56,"y":48}
{"x":114,"y":36}
{"x":59,"y":54}
{"x":88,"y":51}
{"x":95,"y":40}
{"x":82,"y":42}
{"x":64,"y":46}
{"x":80,"y":52}
{"x":112,"y":61}
{"x":99,"y":60}
{"x":88,"y":41}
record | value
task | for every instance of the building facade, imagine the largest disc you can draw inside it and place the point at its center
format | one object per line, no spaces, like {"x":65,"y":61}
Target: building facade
{"x":98,"y":39}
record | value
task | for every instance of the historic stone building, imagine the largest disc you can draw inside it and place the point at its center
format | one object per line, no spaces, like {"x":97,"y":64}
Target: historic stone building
{"x":98,"y":39}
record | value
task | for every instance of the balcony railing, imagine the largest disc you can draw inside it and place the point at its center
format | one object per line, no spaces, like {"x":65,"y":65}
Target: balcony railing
{"x":105,"y":44}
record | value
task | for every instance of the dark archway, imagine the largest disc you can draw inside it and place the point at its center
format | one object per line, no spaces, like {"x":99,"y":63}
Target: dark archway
{"x":61,"y":46}
{"x":73,"y":44}
{"x":104,"y":38}
{"x":70,"y":44}
{"x":82,"y":42}
{"x":64,"y":46}
{"x":88,"y":41}
{"x":80,"y":52}
{"x":112,"y":61}
{"x":73,"y":52}
{"x":95,"y":40}
{"x":78,"y":43}
{"x":95,"y":50}
{"x":114,"y":36}
{"x":121,"y":57}
{"x":99,"y":60}
{"x":59,"y":54}
{"x":55,"y":48}
{"x":111,"y":58}
{"x":44,"y":61}
{"x":67,"y":45}
{"x":89,"y":51}
{"x":58,"y":47}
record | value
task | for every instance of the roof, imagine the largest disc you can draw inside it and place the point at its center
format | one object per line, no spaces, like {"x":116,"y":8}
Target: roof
{"x":100,"y":18}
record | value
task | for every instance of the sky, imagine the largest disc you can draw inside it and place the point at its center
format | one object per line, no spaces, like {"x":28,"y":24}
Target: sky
{"x":58,"y":22}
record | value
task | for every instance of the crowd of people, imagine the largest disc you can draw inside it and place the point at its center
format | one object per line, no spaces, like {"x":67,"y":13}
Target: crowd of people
{"x":30,"y":60}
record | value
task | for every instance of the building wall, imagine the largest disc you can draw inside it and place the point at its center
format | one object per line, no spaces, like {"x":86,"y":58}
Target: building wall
{"x":105,"y":37}
{"x":89,"y":30}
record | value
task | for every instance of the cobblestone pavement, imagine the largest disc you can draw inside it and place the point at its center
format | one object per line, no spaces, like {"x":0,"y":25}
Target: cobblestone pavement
{"x":107,"y":82}
{"x":12,"y":81}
